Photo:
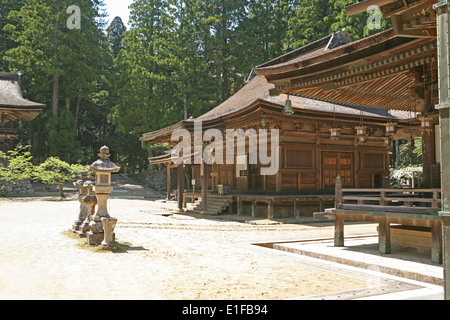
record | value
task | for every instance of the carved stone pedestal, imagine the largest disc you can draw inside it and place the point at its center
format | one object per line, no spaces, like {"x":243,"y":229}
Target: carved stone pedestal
{"x":82,"y":192}
{"x":91,"y":202}
{"x":109,"y":242}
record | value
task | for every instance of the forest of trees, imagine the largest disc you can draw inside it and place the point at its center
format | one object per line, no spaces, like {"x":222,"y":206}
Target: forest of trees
{"x":106,"y":84}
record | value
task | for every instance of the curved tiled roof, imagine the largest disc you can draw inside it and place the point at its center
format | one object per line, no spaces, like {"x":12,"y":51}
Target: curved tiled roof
{"x":11,"y":93}
{"x":258,"y":89}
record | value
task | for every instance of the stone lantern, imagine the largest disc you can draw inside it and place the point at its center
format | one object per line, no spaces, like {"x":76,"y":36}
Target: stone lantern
{"x":103,"y":169}
{"x":82,"y":192}
{"x":90,"y":200}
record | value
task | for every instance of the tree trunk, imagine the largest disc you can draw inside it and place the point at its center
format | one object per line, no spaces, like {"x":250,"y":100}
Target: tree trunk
{"x":56,"y":75}
{"x":55,"y":95}
{"x":61,"y":191}
{"x":77,"y":114}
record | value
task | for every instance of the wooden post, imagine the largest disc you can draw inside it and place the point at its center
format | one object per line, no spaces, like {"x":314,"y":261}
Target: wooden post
{"x":428,"y":156}
{"x":338,"y":192}
{"x":254,"y":208}
{"x":180,"y":183}
{"x":278,"y":182}
{"x":436,"y":242}
{"x":339,"y":231}
{"x":296,"y":210}
{"x":239,"y":206}
{"x":443,"y":40}
{"x":269,"y":209}
{"x":168,"y":182}
{"x":204,"y":186}
{"x":384,"y":236}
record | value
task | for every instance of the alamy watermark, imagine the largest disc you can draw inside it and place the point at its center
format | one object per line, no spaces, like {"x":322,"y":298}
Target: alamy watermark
{"x":374,"y":21}
{"x":223,"y":150}
{"x":74,"y":21}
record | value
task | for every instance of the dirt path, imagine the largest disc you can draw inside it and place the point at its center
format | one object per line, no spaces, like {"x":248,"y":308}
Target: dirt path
{"x":175,"y":257}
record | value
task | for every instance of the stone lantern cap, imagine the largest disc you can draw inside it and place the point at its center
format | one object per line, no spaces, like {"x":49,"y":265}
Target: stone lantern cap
{"x":79,"y":183}
{"x":104,"y":164}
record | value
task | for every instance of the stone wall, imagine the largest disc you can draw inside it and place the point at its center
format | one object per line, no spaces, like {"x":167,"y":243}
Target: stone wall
{"x":19,"y":189}
{"x":157,"y":179}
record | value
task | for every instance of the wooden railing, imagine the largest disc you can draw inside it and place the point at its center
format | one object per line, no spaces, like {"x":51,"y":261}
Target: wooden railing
{"x":407,"y":200}
{"x":8,"y":131}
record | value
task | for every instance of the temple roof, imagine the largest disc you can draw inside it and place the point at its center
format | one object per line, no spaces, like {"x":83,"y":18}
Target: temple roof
{"x":12,"y":104}
{"x":380,"y":71}
{"x":258,"y":89}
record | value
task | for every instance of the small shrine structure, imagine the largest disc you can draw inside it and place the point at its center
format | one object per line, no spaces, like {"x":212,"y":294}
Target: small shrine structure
{"x":13,"y":108}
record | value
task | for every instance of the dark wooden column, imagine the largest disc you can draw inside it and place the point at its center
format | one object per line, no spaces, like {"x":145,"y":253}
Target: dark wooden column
{"x":428,"y":156}
{"x":168,"y":181}
{"x":204,"y":186}
{"x":443,"y":39}
{"x":180,"y":184}
{"x":339,"y":231}
{"x":384,"y":236}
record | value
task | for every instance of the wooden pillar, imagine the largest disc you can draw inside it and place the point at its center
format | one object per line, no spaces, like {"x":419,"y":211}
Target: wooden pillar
{"x":239,"y":206}
{"x":384,"y":236}
{"x":279,"y":175}
{"x":278,"y":182}
{"x":322,"y":205}
{"x":204,"y":186}
{"x":296,"y":210}
{"x":338,"y":192}
{"x":269,"y":209}
{"x":428,"y":156}
{"x":180,"y":184}
{"x":254,"y":208}
{"x":168,"y":181}
{"x":339,"y":231}
{"x":436,"y":242}
{"x":443,"y":41}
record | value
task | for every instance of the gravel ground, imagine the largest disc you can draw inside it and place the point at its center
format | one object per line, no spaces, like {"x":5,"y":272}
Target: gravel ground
{"x":165,"y":257}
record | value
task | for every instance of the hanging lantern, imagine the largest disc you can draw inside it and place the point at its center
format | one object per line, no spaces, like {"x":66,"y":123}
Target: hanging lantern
{"x":335,"y":133}
{"x":361,"y":131}
{"x":361,"y":134}
{"x":390,"y":128}
{"x":387,"y":141}
{"x":288,"y":107}
{"x":425,"y":123}
{"x":263,"y":123}
{"x":411,"y":142}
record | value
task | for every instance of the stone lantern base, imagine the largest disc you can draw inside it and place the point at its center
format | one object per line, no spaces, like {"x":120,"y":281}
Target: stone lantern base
{"x":96,"y":239}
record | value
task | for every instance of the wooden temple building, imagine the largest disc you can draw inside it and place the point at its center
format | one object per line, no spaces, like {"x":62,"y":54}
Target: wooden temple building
{"x":13,"y":108}
{"x":318,"y":141}
{"x":400,"y":76}
{"x":404,"y":68}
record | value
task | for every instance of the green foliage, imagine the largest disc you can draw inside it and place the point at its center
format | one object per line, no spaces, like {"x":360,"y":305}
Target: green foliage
{"x":410,"y":156}
{"x":408,"y":174}
{"x":58,"y":172}
{"x":64,"y":68}
{"x":179,"y":58}
{"x":15,"y":165}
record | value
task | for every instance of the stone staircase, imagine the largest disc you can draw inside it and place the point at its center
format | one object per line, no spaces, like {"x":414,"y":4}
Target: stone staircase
{"x":216,"y":205}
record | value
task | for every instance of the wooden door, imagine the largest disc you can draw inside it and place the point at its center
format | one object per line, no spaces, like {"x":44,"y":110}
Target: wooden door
{"x":334,"y":164}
